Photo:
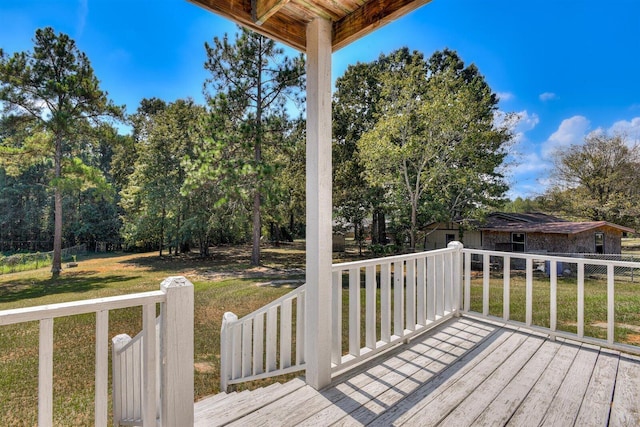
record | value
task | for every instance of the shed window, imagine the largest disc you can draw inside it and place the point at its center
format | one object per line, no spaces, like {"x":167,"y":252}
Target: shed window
{"x":449,"y":238}
{"x":518,"y":241}
{"x":599,"y":243}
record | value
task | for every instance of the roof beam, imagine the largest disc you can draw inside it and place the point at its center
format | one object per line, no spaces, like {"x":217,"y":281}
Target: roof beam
{"x":261,"y":10}
{"x":288,"y":32}
{"x":369,"y":17}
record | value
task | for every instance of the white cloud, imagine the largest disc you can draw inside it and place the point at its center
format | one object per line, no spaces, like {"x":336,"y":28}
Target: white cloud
{"x":547,"y":96}
{"x":83,"y":11}
{"x":505,"y":96}
{"x":629,"y":129}
{"x":518,"y":123}
{"x":530,"y":162}
{"x":571,"y":131}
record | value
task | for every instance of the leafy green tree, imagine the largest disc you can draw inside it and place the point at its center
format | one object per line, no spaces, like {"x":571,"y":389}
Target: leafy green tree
{"x":251,"y":82}
{"x":355,"y":109}
{"x":435,"y":146}
{"x":284,"y":204}
{"x":520,"y":205}
{"x":155,"y":209}
{"x":598,"y":180}
{"x":55,"y":96}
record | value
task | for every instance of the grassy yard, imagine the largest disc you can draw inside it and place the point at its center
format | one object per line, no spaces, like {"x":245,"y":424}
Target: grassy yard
{"x":222,"y":283}
{"x":626,"y":305}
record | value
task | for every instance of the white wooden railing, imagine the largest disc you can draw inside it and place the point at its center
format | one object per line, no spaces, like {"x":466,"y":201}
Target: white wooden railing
{"x":403,"y":296}
{"x":128,"y":376}
{"x":500,"y":264}
{"x":265,"y":343}
{"x":176,"y":356}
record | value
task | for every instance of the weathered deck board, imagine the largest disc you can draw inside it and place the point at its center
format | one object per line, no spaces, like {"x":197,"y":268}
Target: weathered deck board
{"x":566,"y":402}
{"x":596,"y":404}
{"x":449,"y":396}
{"x":387,"y":390}
{"x":431,"y":355}
{"x":535,"y":405}
{"x":625,"y":409}
{"x":511,"y":396}
{"x":474,"y":403}
{"x":465,"y":372}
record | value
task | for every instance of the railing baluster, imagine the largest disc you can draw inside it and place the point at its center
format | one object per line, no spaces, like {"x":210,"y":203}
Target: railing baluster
{"x":398,"y":298}
{"x":553,"y":271}
{"x":421,"y":292}
{"x":236,"y":350}
{"x":149,"y":409}
{"x":285,"y":334}
{"x":300,"y":314}
{"x":410,"y":308}
{"x":371,"y":286}
{"x":385,"y":302}
{"x":431,"y":288}
{"x":247,"y":347}
{"x":447,"y":283}
{"x":45,"y":374}
{"x":258,"y":344}
{"x":354,"y":311}
{"x":506,"y":281}
{"x":439,"y":264}
{"x":611,"y":318}
{"x":272,"y":338}
{"x":486,"y":272}
{"x":336,"y":318}
{"x":529,"y":292}
{"x":136,"y":381}
{"x":580,"y":299}
{"x":102,"y":367}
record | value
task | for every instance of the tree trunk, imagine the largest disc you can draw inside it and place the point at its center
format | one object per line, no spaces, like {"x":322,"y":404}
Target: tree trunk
{"x":56,"y":265}
{"x":162,"y":230}
{"x":374,"y":228}
{"x":257,"y":153}
{"x":255,"y":252}
{"x":382,"y":228}
{"x":414,"y":220}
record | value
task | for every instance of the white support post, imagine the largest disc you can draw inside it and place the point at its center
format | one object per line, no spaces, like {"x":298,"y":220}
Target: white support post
{"x":177,"y":353}
{"x":319,"y":203}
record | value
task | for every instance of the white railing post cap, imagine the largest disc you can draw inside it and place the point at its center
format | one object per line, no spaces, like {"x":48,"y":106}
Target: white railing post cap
{"x":120,"y":340}
{"x":175,"y":282}
{"x":228,"y":316}
{"x":455,"y":245}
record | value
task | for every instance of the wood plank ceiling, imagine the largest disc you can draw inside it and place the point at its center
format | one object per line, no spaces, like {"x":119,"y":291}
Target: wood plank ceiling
{"x":286,"y":20}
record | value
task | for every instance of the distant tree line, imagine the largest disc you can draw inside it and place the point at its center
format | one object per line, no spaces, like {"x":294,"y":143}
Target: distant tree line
{"x":415,"y":141}
{"x":596,"y":180}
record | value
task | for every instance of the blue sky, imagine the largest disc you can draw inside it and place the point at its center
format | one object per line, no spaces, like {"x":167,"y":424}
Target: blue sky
{"x":566,"y":67}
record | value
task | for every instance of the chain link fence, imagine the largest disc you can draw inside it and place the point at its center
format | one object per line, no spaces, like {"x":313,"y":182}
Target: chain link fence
{"x":30,"y":261}
{"x":567,"y":269}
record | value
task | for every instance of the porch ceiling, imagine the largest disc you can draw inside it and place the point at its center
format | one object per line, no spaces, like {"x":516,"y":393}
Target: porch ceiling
{"x":286,"y":20}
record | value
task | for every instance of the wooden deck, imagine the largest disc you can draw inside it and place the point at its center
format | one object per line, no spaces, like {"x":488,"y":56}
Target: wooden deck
{"x":466,"y":372}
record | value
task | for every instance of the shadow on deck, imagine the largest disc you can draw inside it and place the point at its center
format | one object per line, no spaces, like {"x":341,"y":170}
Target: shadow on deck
{"x":466,"y":372}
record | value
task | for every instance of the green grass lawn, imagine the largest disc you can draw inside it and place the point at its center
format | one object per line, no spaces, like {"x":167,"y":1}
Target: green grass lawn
{"x":223,"y":282}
